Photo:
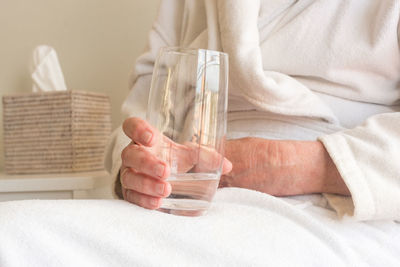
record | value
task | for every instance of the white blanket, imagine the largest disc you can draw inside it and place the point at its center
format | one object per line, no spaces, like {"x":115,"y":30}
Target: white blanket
{"x":242,"y":228}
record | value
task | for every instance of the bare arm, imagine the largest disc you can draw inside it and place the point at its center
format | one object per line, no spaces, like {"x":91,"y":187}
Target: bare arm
{"x":282,"y":167}
{"x":279,"y":167}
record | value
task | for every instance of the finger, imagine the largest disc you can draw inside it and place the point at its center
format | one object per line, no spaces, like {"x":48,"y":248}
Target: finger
{"x":143,"y":161}
{"x":226,"y":166}
{"x":208,"y":159}
{"x":140,"y":131}
{"x":143,"y":200}
{"x":145,"y":184}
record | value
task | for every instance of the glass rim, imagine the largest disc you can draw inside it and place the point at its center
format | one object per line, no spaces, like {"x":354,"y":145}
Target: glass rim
{"x":189,"y":50}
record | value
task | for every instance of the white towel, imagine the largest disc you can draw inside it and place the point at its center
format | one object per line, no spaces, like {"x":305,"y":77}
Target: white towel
{"x":242,"y":228}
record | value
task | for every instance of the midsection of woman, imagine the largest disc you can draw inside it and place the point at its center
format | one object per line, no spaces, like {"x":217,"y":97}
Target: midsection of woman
{"x":300,"y":70}
{"x":244,"y":120}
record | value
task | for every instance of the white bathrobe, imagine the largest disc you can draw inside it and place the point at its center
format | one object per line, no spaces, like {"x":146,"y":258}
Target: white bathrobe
{"x":304,"y":70}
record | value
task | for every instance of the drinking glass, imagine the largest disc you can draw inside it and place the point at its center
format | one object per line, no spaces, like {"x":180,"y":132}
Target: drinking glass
{"x":188,"y":105}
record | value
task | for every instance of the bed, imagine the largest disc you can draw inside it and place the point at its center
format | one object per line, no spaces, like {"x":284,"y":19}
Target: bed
{"x":242,"y":228}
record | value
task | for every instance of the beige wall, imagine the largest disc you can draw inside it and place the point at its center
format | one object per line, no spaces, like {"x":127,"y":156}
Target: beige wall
{"x":97,"y":42}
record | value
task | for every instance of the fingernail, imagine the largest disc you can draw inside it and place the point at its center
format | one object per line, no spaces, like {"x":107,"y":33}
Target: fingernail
{"x":160,"y":189}
{"x":153,"y":202}
{"x":227,"y":164}
{"x":159,"y":170}
{"x":146,"y":137}
{"x":168,"y":189}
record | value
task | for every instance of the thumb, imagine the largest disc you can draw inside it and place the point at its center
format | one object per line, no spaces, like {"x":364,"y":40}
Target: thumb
{"x":226,"y":166}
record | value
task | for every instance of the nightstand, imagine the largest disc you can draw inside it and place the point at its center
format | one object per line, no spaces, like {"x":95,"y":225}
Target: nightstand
{"x":82,"y":185}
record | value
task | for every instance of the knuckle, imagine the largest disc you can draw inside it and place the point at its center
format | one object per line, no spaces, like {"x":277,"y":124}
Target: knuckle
{"x":123,"y":178}
{"x":143,"y":202}
{"x":126,"y":180}
{"x":143,"y":159}
{"x":137,"y":183}
{"x":135,"y":198}
{"x":126,"y":153}
{"x":126,"y":125}
{"x":140,"y":149}
{"x":129,"y":196}
{"x":124,"y":194}
{"x":140,"y":201}
{"x":146,"y":185}
{"x":134,"y":154}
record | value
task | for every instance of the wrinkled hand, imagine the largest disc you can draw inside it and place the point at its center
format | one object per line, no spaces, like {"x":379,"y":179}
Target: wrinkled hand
{"x":143,"y":174}
{"x":282,"y":168}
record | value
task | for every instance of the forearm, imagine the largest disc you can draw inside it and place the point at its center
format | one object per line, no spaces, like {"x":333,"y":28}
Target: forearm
{"x":282,"y":167}
{"x":319,"y":170}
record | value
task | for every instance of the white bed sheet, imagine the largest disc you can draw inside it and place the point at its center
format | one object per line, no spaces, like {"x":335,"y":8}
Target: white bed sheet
{"x":242,"y":228}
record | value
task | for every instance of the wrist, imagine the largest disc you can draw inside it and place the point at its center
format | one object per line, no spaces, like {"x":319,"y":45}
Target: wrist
{"x":326,"y":177}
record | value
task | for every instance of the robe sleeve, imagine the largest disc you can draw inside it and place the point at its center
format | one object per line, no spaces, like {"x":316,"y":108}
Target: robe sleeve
{"x":368,"y":159}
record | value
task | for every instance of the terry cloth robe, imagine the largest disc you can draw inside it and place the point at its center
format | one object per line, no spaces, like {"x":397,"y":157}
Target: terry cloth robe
{"x":305,"y":70}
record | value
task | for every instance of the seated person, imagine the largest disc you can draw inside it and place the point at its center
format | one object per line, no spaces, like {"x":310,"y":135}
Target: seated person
{"x":313,"y":101}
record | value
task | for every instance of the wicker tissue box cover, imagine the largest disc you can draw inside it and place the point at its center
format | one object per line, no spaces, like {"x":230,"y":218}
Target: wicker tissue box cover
{"x":55,"y":132}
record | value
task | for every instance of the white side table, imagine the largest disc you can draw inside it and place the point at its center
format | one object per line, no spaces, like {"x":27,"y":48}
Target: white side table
{"x":55,"y":186}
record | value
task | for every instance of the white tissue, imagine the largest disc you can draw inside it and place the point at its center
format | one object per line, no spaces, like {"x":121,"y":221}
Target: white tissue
{"x":47,"y":74}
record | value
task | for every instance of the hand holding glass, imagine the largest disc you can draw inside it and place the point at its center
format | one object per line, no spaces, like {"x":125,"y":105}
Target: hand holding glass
{"x":188,"y":106}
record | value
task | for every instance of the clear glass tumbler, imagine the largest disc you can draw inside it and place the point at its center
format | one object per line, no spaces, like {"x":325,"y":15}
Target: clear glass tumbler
{"x":188,"y":105}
